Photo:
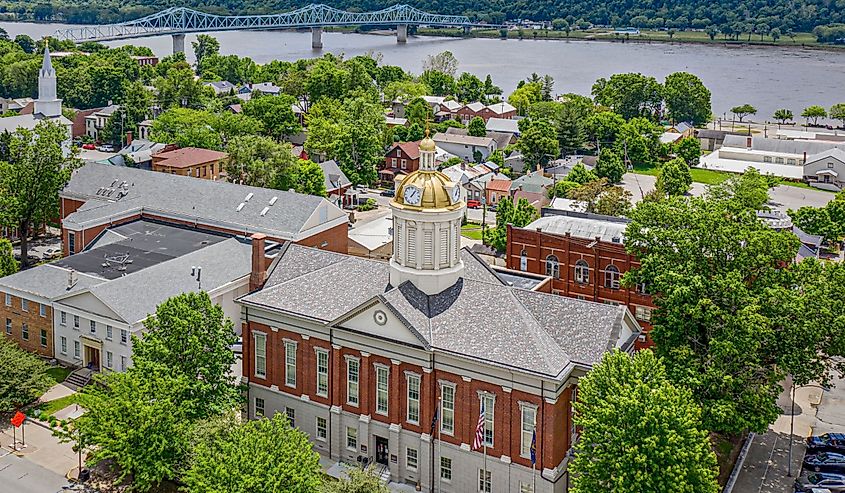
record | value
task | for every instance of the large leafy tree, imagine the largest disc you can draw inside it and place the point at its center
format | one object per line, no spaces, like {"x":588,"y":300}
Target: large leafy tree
{"x":610,"y":166}
{"x":743,"y":110}
{"x":713,"y":266}
{"x":8,"y":265}
{"x":689,"y":149}
{"x":275,"y":113}
{"x":837,"y":112}
{"x":257,"y":160}
{"x":477,"y":127}
{"x":639,"y":141}
{"x":537,"y":142}
{"x":196,"y":128}
{"x":814,"y":111}
{"x":630,"y":95}
{"x":604,"y":127}
{"x":23,"y":376}
{"x":599,"y":198}
{"x":205,"y":46}
{"x":687,"y":99}
{"x":33,"y":169}
{"x":262,"y":455}
{"x":469,"y":88}
{"x":137,"y":420}
{"x":525,"y":96}
{"x":580,"y":174}
{"x":304,"y":177}
{"x":135,"y":106}
{"x":190,"y":337}
{"x":639,"y":432}
{"x":673,"y":177}
{"x":827,"y":221}
{"x":179,"y":89}
{"x":519,"y":215}
{"x":749,"y":190}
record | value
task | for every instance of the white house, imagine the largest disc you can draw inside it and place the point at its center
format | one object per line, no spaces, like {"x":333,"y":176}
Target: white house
{"x":826,"y":170}
{"x":465,"y":146}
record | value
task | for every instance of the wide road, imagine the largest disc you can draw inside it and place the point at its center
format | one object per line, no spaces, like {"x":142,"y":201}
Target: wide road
{"x":19,"y":475}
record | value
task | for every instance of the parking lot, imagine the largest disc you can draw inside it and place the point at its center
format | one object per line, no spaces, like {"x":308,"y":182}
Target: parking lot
{"x":45,"y":248}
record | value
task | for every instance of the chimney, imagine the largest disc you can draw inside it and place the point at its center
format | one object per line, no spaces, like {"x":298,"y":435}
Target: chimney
{"x":463,"y":166}
{"x":748,"y":143}
{"x":128,"y":137}
{"x":259,"y":262}
{"x":805,"y":157}
{"x":71,"y":278}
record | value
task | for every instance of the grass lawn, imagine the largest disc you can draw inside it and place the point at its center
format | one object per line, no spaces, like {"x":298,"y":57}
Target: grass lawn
{"x":706,"y":176}
{"x":52,"y":407}
{"x":58,"y":373}
{"x":472,"y":231}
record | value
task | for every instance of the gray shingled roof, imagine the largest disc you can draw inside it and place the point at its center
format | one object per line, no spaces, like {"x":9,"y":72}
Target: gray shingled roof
{"x":581,"y":227}
{"x":479,"y":317}
{"x":135,"y":296}
{"x":187,"y":197}
{"x":47,"y":281}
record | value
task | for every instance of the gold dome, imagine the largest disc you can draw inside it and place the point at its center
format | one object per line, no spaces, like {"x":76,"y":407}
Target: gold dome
{"x":435,"y":190}
{"x":427,"y":144}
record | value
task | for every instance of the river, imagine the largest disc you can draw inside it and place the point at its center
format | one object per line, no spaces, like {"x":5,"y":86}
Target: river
{"x":766,"y":77}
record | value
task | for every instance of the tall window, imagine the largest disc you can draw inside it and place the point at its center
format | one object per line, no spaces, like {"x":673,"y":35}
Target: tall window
{"x":109,"y":332}
{"x":643,"y":313}
{"x":259,"y":406}
{"x":413,"y":398}
{"x":260,"y":354}
{"x":9,"y":326}
{"x":24,"y":304}
{"x":611,"y":277}
{"x":290,"y":363}
{"x":445,"y":469}
{"x":322,"y":372}
{"x":526,"y":487}
{"x":63,"y":318}
{"x":76,"y":349}
{"x":123,"y":363}
{"x":382,"y":378}
{"x":353,"y":376}
{"x":351,"y":438}
{"x":489,"y":403}
{"x":63,"y":341}
{"x":76,"y":322}
{"x":93,"y":326}
{"x":71,"y":242}
{"x":109,"y":359}
{"x":484,"y":485}
{"x":43,"y":338}
{"x":552,"y":267}
{"x":447,"y":409}
{"x":582,"y":272}
{"x":8,"y":299}
{"x":411,"y":458}
{"x":321,"y":429}
{"x":42,"y":309}
{"x":642,"y":288}
{"x":529,"y":422}
{"x":291,"y":414}
{"x":25,"y":332}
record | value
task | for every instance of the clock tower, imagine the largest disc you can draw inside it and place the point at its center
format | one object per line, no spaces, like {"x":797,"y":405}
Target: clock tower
{"x":427,"y":211}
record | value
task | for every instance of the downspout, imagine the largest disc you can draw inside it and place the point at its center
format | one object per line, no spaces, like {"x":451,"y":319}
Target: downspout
{"x":433,"y":390}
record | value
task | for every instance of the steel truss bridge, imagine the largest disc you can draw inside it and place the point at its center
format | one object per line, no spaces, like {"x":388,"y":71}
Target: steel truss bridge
{"x":177,"y":21}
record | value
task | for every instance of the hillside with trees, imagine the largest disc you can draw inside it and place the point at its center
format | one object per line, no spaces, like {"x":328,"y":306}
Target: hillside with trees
{"x":730,"y":17}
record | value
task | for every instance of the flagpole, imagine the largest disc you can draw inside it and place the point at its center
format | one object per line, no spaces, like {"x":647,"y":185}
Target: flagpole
{"x":534,"y":478}
{"x":439,"y":446}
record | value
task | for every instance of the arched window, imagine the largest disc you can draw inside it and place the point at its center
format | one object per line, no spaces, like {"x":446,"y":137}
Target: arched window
{"x":582,"y":272}
{"x":552,"y":267}
{"x":523,"y":261}
{"x":611,"y":277}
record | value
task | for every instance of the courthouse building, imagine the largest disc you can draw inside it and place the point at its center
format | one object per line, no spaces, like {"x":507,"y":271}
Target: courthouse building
{"x":391,"y":362}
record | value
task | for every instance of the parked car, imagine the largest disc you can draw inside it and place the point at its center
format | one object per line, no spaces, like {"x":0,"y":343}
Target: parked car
{"x":825,"y":462}
{"x":473,"y":204}
{"x":52,"y":252}
{"x":89,"y":147}
{"x":388,"y":193}
{"x":806,"y":483}
{"x":831,"y":442}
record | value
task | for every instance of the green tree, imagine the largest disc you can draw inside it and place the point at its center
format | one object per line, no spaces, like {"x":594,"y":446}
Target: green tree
{"x":275,"y":113}
{"x":750,"y":189}
{"x":687,"y":99}
{"x":357,"y":481}
{"x":441,"y":84}
{"x":519,"y":215}
{"x":827,"y":221}
{"x":205,"y":46}
{"x":23,"y":376}
{"x":603,"y":127}
{"x":562,"y":189}
{"x":639,"y":432}
{"x":259,"y":161}
{"x":713,"y":266}
{"x":523,"y":97}
{"x":179,"y":89}
{"x":405,"y":90}
{"x":639,"y":141}
{"x":743,"y":110}
{"x":537,"y":142}
{"x":259,"y":455}
{"x":631,"y":95}
{"x":33,"y":169}
{"x":610,"y":166}
{"x":783,"y":115}
{"x":688,"y":149}
{"x":599,"y":198}
{"x":26,"y":43}
{"x":477,"y":127}
{"x":137,"y":420}
{"x":190,"y":337}
{"x":135,"y":105}
{"x":303,"y":177}
{"x":815,"y":112}
{"x":8,"y":264}
{"x":581,"y":175}
{"x":444,"y":62}
{"x":186,"y":128}
{"x":469,"y":88}
{"x":837,"y":112}
{"x":775,"y":34}
{"x":674,"y":178}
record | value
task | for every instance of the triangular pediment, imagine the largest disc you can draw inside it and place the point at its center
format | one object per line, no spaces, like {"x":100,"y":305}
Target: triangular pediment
{"x":88,"y":302}
{"x":377,"y":318}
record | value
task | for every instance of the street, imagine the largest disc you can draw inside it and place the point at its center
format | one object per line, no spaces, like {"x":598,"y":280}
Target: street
{"x":20,"y":475}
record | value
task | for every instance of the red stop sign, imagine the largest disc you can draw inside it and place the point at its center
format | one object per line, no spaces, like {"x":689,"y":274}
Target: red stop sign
{"x":18,"y":418}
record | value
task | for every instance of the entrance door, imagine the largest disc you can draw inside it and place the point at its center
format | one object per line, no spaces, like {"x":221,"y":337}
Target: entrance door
{"x":381,"y":450}
{"x":93,"y":357}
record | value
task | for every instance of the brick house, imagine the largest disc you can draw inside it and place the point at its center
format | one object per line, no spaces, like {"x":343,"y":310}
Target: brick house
{"x":496,"y":190}
{"x":191,"y":161}
{"x":99,"y":196}
{"x":27,"y":317}
{"x":585,"y":256}
{"x":402,"y":158}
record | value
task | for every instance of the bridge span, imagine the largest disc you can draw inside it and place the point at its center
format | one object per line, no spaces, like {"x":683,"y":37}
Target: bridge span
{"x":179,"y":21}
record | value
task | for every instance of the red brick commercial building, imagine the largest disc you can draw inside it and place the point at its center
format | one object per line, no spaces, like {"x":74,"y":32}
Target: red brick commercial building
{"x":585,"y":256}
{"x":28,"y":320}
{"x":99,"y":196}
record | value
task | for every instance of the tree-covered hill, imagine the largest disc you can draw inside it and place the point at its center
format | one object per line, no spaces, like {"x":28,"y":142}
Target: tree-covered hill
{"x":724,"y":15}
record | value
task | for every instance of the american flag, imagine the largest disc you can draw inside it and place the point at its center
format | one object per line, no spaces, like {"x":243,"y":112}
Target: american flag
{"x":479,"y":430}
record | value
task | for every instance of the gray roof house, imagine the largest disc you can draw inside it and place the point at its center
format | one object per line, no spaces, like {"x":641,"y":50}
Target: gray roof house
{"x":221,"y":87}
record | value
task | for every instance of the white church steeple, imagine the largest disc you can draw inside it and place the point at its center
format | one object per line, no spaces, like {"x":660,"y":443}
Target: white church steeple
{"x":48,"y":104}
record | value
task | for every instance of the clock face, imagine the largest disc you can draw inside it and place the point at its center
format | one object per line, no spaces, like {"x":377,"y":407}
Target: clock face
{"x":413,"y":195}
{"x":456,"y":194}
